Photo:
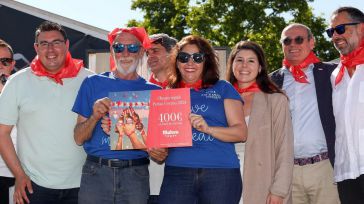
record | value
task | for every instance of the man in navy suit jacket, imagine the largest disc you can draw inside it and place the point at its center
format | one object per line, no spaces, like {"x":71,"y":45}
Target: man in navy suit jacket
{"x":306,"y":82}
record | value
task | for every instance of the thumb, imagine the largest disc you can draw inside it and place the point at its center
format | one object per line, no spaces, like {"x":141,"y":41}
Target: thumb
{"x":29,"y":187}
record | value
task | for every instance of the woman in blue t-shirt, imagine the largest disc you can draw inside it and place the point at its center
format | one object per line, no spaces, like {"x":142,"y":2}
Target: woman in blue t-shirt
{"x":268,"y":163}
{"x":207,"y":172}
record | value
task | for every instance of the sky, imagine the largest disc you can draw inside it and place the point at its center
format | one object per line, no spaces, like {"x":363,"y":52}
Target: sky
{"x":109,"y":14}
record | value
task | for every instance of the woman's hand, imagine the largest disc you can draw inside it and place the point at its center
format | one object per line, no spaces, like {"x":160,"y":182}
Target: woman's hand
{"x":199,"y":123}
{"x":158,"y":154}
{"x":274,"y":199}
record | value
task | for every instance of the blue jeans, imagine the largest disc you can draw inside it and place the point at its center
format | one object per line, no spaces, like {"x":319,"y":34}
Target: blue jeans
{"x":102,"y":184}
{"x":42,"y":195}
{"x":200,"y":185}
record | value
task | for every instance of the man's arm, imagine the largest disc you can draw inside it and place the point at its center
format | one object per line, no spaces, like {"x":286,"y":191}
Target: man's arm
{"x":85,"y":126}
{"x":8,"y":153}
{"x":83,"y":129}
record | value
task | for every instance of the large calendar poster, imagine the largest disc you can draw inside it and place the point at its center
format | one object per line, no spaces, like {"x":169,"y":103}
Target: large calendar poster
{"x":151,"y":118}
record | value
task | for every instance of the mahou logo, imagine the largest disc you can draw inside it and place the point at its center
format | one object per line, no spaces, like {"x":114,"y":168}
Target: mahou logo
{"x":170,"y":133}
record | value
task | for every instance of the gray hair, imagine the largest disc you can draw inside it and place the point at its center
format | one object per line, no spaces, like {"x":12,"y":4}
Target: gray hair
{"x":165,"y":40}
{"x":354,"y":13}
{"x":309,"y":32}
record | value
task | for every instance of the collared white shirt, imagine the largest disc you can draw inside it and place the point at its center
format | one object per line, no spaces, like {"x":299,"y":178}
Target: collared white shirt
{"x":348,"y":105}
{"x":309,"y":136}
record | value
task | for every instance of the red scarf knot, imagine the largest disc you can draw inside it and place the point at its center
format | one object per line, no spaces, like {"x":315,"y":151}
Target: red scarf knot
{"x":251,"y":88}
{"x":349,"y":61}
{"x":161,"y":84}
{"x":196,"y":86}
{"x":70,"y":69}
{"x":296,"y":70}
{"x":138,"y":32}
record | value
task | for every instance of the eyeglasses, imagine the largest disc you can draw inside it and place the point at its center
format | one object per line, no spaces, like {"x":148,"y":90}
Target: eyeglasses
{"x":6,"y":61}
{"x":340,"y":29}
{"x":288,"y":41}
{"x":132,"y":48}
{"x":197,"y":57}
{"x":54,"y":43}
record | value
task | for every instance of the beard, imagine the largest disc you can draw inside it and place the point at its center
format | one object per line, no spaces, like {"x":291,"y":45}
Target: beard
{"x":126,"y":69}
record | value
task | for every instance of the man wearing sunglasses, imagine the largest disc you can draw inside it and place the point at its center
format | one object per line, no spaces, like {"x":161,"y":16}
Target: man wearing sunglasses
{"x":161,"y":57}
{"x":306,"y":82}
{"x":347,"y":33}
{"x":7,"y":64}
{"x":38,"y":100}
{"x":112,"y":176}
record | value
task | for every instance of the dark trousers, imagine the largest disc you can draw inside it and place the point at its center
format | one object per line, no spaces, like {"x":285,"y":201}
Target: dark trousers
{"x":153,"y":199}
{"x":351,"y":191}
{"x":42,"y":195}
{"x":5,"y":184}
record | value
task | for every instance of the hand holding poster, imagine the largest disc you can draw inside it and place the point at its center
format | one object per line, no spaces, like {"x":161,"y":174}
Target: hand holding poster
{"x":152,"y":118}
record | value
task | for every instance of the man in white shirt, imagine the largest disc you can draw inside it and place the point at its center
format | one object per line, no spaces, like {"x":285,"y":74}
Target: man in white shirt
{"x":347,"y":33}
{"x":7,"y":64}
{"x":306,"y":81}
{"x":38,"y":101}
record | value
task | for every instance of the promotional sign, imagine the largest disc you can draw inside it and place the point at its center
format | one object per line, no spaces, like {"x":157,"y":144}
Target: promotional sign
{"x":151,"y":118}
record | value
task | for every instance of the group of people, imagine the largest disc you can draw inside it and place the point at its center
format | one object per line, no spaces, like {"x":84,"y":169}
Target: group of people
{"x":302,"y":124}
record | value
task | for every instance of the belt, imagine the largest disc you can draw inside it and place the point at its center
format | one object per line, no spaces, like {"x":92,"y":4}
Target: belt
{"x":311,"y":160}
{"x":117,"y":163}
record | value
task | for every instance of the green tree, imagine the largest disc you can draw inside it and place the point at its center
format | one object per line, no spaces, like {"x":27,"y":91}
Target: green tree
{"x":226,"y":22}
{"x":163,"y":16}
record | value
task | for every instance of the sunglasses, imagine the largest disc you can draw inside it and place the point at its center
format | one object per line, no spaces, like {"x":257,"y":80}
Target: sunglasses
{"x":132,"y":48}
{"x":340,"y":29}
{"x":6,"y":61}
{"x":288,"y":41}
{"x":197,"y":57}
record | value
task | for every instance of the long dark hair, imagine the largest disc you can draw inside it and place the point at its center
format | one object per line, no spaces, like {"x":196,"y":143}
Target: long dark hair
{"x":210,"y":73}
{"x":264,"y":82}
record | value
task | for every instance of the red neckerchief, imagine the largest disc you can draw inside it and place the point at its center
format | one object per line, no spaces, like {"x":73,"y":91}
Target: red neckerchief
{"x":161,"y":84}
{"x":350,"y":61}
{"x":296,"y":70}
{"x":196,"y":86}
{"x":251,"y":88}
{"x":70,"y":69}
{"x":138,"y":32}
